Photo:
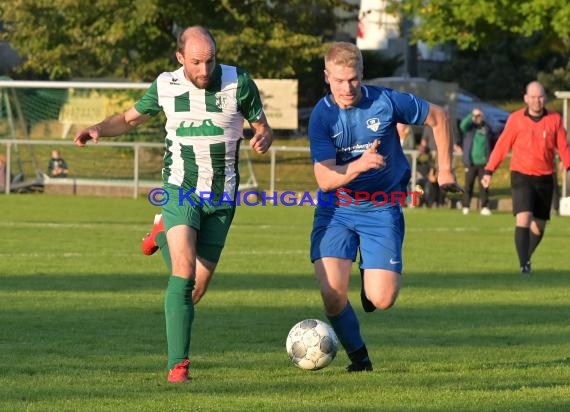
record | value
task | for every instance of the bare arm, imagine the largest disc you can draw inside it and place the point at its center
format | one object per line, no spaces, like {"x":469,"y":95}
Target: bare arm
{"x":331,"y":176}
{"x":438,"y":120}
{"x":112,"y":126}
{"x":262,"y":135}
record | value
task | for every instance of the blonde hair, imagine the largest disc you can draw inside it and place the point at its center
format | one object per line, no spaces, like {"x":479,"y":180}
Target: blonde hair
{"x":344,"y":54}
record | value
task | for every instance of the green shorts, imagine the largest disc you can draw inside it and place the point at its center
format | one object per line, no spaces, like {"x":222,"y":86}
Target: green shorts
{"x":211,"y":222}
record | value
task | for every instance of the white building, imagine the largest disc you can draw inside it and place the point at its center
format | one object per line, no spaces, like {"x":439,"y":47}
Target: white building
{"x":381,"y":30}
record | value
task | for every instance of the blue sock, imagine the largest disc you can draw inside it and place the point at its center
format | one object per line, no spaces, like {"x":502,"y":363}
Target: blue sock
{"x":347,"y":329}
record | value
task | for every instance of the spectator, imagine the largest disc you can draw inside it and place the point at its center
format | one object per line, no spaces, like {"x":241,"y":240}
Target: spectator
{"x":426,"y":177}
{"x":57,"y":167}
{"x":477,"y":142}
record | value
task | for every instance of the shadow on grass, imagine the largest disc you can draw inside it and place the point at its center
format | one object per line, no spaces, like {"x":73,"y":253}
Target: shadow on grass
{"x":223,"y":281}
{"x":122,"y":301}
{"x":81,"y":331}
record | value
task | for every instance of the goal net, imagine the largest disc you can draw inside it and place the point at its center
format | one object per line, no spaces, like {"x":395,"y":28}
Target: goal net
{"x":35,"y":111}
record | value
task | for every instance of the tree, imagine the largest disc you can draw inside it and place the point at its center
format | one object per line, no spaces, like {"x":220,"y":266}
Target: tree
{"x":136,"y":40}
{"x":473,"y":24}
{"x":500,"y":44}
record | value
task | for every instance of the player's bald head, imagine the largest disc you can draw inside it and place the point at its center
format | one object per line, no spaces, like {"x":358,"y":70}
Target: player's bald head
{"x":195,"y":35}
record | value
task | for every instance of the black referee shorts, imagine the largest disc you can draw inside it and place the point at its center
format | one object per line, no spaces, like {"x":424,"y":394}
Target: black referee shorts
{"x":532,"y":194}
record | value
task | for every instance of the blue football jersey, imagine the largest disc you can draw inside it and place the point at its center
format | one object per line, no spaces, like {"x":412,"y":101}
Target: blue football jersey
{"x":344,"y":134}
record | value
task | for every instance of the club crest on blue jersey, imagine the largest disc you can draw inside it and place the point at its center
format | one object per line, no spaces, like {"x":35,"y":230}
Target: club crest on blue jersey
{"x":373,"y":124}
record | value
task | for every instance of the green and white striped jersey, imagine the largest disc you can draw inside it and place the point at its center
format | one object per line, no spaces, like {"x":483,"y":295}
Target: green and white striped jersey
{"x":204,"y":127}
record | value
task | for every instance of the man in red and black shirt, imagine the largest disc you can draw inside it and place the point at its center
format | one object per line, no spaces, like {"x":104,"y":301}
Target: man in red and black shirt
{"x":534,"y":134}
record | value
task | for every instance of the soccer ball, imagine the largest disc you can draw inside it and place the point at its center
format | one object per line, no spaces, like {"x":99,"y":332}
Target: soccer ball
{"x":311,"y":344}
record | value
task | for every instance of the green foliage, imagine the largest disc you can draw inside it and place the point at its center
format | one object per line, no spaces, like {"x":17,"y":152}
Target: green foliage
{"x":74,"y":38}
{"x":473,"y":24}
{"x":501,"y":45}
{"x":81,"y":315}
{"x":558,"y":79}
{"x":137,"y":40}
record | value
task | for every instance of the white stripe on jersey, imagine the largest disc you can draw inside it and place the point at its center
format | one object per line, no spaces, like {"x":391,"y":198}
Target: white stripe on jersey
{"x":203,"y":127}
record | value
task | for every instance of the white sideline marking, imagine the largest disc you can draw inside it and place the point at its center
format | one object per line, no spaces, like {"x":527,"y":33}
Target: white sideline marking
{"x":266,"y":252}
{"x":113,"y":224}
{"x":443,"y":229}
{"x":36,"y":254}
{"x":72,"y":225}
{"x":64,"y":254}
{"x":77,"y":254}
{"x":256,"y":227}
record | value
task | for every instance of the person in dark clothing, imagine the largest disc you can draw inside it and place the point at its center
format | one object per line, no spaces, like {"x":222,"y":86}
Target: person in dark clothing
{"x":478,"y":140}
{"x":426,"y":177}
{"x":57,"y":167}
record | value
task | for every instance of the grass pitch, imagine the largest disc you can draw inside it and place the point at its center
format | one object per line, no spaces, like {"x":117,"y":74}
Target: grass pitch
{"x":82,"y":328}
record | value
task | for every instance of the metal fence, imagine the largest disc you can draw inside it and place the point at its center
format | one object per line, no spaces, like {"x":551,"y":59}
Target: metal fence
{"x":136,"y":183}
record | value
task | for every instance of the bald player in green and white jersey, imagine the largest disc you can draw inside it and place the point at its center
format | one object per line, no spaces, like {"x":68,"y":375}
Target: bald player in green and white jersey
{"x":205,"y":104}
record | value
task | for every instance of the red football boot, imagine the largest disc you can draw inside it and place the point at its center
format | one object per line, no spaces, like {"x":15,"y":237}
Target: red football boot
{"x":179,"y":373}
{"x":149,"y":245}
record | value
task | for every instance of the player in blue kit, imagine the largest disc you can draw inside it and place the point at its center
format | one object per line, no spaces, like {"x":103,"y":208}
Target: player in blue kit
{"x":357,"y":156}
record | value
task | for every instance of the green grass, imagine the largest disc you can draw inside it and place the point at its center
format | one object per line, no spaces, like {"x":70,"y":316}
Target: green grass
{"x":81,"y":319}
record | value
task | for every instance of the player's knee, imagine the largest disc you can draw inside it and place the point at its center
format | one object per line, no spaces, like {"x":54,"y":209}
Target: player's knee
{"x":384,"y":301}
{"x":383,"y":304}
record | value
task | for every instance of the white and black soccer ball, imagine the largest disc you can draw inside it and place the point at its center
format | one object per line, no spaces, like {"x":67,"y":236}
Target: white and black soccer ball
{"x":312,"y":344}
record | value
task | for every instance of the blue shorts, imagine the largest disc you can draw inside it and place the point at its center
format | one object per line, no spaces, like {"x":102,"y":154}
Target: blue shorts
{"x":378,"y":232}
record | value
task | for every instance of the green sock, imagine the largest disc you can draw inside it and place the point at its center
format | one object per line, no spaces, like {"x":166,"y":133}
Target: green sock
{"x":163,"y":245}
{"x":179,"y":313}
